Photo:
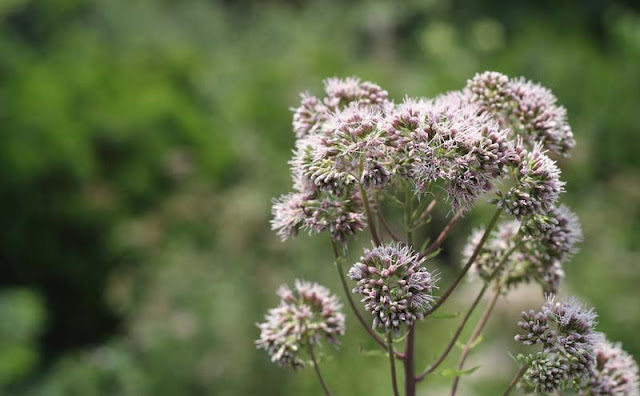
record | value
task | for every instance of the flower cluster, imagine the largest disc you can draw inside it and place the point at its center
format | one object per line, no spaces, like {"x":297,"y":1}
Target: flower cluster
{"x":305,"y":316}
{"x":354,"y":139}
{"x":565,"y":330}
{"x":525,"y":254}
{"x":615,"y":372}
{"x":537,"y":186}
{"x":341,"y":147}
{"x":397,"y":289}
{"x":528,"y":109}
{"x":298,"y":211}
{"x":447,"y":140}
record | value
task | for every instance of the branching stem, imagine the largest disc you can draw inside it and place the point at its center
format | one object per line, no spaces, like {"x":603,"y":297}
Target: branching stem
{"x":455,"y":283}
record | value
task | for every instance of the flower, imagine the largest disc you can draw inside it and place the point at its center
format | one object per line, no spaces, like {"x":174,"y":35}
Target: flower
{"x":615,"y":372}
{"x":341,"y":92}
{"x":309,"y":116}
{"x":528,"y":109}
{"x":447,"y":139}
{"x":341,"y":217}
{"x":491,"y":90}
{"x":305,"y":315}
{"x":536,"y":116}
{"x":397,"y":289}
{"x":565,"y":329}
{"x":537,"y":186}
{"x":532,"y":250}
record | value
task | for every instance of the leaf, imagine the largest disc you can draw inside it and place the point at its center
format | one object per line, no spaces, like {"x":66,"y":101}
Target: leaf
{"x":376,"y":353}
{"x":444,"y":315}
{"x":458,"y":373}
{"x":476,"y":342}
{"x":473,"y":345}
{"x":433,"y":254}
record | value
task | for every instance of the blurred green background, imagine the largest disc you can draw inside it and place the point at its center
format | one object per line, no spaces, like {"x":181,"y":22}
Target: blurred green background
{"x":141,"y":143}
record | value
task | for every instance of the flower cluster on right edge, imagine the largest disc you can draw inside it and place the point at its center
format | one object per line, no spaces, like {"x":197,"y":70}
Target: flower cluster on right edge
{"x":573,"y":355}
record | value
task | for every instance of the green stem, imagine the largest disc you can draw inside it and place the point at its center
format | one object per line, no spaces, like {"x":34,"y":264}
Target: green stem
{"x":370,"y":219}
{"x":327,"y":392}
{"x":394,"y":379}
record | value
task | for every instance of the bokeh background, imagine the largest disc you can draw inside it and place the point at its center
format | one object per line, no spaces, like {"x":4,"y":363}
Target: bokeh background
{"x":141,"y":142}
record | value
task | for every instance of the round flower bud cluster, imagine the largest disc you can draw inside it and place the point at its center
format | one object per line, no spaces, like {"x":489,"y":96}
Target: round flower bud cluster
{"x":538,"y":184}
{"x":524,"y":256}
{"x":528,"y":109}
{"x":293,"y":212}
{"x":305,"y":315}
{"x":397,"y":289}
{"x":546,"y":373}
{"x":565,"y":329}
{"x":615,"y":372}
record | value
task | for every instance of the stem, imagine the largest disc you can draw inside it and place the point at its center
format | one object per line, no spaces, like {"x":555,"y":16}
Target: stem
{"x":445,"y":231}
{"x":449,"y":347}
{"x":370,"y":219}
{"x":474,"y":336}
{"x":327,"y":392}
{"x":409,"y":363}
{"x":495,"y":272}
{"x":386,"y":227}
{"x":429,"y":209}
{"x":394,"y":380}
{"x":515,"y":380}
{"x":455,"y":284}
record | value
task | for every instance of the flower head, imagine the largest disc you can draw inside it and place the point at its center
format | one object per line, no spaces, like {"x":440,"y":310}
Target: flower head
{"x":565,"y":329}
{"x":531,"y":250}
{"x":309,"y":116}
{"x":397,"y":289}
{"x":528,"y":109}
{"x":341,"y":92}
{"x":538,"y":184}
{"x":615,"y":372}
{"x":341,"y":217}
{"x":306,"y":314}
{"x":536,"y":116}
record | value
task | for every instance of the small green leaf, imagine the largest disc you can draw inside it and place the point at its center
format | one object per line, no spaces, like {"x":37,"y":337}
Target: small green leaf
{"x":476,"y":342}
{"x":457,"y":373}
{"x":376,"y":353}
{"x":444,"y":315}
{"x":433,"y":254}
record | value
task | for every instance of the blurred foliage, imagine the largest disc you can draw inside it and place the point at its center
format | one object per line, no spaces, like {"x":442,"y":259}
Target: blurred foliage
{"x":143,"y":140}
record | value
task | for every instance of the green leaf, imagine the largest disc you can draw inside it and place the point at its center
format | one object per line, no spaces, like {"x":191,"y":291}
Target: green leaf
{"x":476,"y":342}
{"x":444,"y":315}
{"x":473,"y":345}
{"x":457,"y":373}
{"x":433,"y":254}
{"x":376,"y":353}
